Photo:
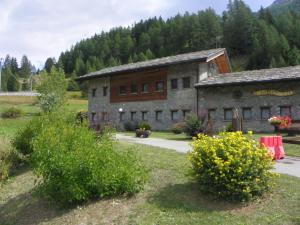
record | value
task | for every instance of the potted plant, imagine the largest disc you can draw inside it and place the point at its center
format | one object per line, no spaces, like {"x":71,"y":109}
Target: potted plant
{"x":280,"y":122}
{"x":144,"y":130}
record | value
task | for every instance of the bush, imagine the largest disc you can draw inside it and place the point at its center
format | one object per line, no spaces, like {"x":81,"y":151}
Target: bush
{"x":145,"y":126}
{"x":8,"y":159}
{"x":76,"y":166}
{"x":232,"y":166}
{"x":193,"y":126}
{"x":229,"y":127}
{"x":82,"y":116}
{"x":178,"y":128}
{"x":12,"y":113}
{"x":131,"y":125}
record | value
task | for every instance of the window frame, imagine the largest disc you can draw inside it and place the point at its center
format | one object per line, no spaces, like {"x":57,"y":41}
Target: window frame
{"x":132,"y":115}
{"x":172,"y":87}
{"x":104,"y":91}
{"x":143,"y":91}
{"x":121,"y":116}
{"x":157,"y":112}
{"x":185,"y":113}
{"x":172,"y":114}
{"x":225,"y":110}
{"x":261,"y":112}
{"x":94,"y":92}
{"x":251,"y":113}
{"x":120,"y":90}
{"x":184,"y":79}
{"x":136,"y":89}
{"x":144,"y":113}
{"x":286,"y":107}
{"x":156,"y":86}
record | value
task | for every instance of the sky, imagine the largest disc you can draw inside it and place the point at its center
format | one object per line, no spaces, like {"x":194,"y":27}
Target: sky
{"x":44,"y":28}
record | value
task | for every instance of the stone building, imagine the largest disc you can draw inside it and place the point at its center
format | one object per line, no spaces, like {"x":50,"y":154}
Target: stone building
{"x":257,"y":95}
{"x":164,"y":91}
{"x":160,"y":91}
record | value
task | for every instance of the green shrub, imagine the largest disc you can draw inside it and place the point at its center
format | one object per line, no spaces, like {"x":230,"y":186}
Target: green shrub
{"x":232,"y":166}
{"x":145,"y":125}
{"x":178,"y":128}
{"x":193,"y":126}
{"x":12,"y":113}
{"x":82,"y":116}
{"x":229,"y":127}
{"x":76,"y":166}
{"x":8,"y":159}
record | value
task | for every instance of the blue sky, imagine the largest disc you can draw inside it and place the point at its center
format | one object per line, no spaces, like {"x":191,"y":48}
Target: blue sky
{"x":44,"y":28}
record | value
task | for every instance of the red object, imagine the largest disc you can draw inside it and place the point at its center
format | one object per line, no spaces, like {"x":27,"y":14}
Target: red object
{"x":274,"y":145}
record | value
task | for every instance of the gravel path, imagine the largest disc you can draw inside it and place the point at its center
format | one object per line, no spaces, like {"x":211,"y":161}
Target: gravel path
{"x":289,"y":165}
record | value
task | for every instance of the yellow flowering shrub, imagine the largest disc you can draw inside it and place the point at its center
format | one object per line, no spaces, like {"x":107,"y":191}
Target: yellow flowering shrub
{"x":231,"y":166}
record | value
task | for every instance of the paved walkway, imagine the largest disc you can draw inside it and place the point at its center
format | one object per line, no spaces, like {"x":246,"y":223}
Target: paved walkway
{"x":289,"y":165}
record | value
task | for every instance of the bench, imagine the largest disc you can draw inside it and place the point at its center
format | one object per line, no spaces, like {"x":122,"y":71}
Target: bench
{"x":293,"y":130}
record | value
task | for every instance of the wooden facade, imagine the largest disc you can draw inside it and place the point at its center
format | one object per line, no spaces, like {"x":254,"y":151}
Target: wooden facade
{"x":150,"y":77}
{"x":223,"y":64}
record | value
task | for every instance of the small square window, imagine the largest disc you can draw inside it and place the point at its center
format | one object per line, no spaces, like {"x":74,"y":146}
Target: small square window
{"x":159,"y":86}
{"x":93,"y":117}
{"x":285,"y":111}
{"x":265,"y":113}
{"x":247,"y":113}
{"x":145,"y":88}
{"x":174,"y":84}
{"x":186,"y":82}
{"x":145,"y":116}
{"x":94,"y":90}
{"x":122,"y":90}
{"x":211,"y":113}
{"x":185,"y":113}
{"x":174,"y":115}
{"x":133,"y":89}
{"x":122,"y":116}
{"x":158,"y":115}
{"x":228,"y":114}
{"x":133,"y":116}
{"x":104,"y":91}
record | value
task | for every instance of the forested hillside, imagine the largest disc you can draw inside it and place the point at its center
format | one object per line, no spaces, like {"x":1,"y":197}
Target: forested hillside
{"x":261,"y":40}
{"x":285,"y":5}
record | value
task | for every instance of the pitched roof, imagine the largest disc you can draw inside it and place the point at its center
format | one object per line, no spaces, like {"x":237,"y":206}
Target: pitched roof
{"x":160,"y":62}
{"x":255,"y":76}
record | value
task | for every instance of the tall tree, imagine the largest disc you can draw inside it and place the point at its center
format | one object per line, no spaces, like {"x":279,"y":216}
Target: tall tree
{"x":49,"y":63}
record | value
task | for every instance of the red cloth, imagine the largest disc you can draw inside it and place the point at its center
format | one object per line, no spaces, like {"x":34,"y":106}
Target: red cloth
{"x":274,"y":145}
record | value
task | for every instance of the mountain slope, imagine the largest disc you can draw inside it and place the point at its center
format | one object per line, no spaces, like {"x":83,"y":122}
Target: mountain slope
{"x":279,"y":6}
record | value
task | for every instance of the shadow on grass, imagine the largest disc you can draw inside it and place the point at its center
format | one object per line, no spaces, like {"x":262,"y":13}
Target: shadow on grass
{"x":26,"y":209}
{"x":187,"y":197}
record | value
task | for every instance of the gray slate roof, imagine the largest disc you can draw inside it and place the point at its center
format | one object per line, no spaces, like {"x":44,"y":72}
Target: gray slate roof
{"x":255,"y":76}
{"x":161,"y":62}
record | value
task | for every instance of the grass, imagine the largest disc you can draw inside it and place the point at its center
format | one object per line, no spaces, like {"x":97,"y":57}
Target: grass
{"x":170,"y":197}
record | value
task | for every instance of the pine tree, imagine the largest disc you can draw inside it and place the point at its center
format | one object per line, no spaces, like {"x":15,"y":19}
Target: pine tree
{"x":49,"y":63}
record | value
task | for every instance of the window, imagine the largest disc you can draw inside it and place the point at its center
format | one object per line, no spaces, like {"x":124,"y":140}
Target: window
{"x":104,"y":116}
{"x":228,"y":114}
{"x":174,"y":84}
{"x":133,"y":116}
{"x":185,"y":113}
{"x":265,"y":113}
{"x":158,"y":115}
{"x":174,"y":115}
{"x":285,"y":111}
{"x":94,"y":90}
{"x":122,"y":116}
{"x":211,"y":113}
{"x":133,"y":89}
{"x":104,"y":91}
{"x":159,"y":86}
{"x":145,"y":116}
{"x":186,"y":82}
{"x":93,"y":117}
{"x":247,"y":113}
{"x":122,"y":90}
{"x":145,"y":88}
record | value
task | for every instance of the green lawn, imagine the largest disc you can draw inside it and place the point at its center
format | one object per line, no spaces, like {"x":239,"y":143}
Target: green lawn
{"x":170,"y":197}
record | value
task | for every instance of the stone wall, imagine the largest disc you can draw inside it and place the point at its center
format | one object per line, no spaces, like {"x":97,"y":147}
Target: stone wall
{"x":180,"y":99}
{"x":220,"y":98}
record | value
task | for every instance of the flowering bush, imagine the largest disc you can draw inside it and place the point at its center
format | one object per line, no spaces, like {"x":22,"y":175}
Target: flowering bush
{"x":232,"y":166}
{"x":281,"y":121}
